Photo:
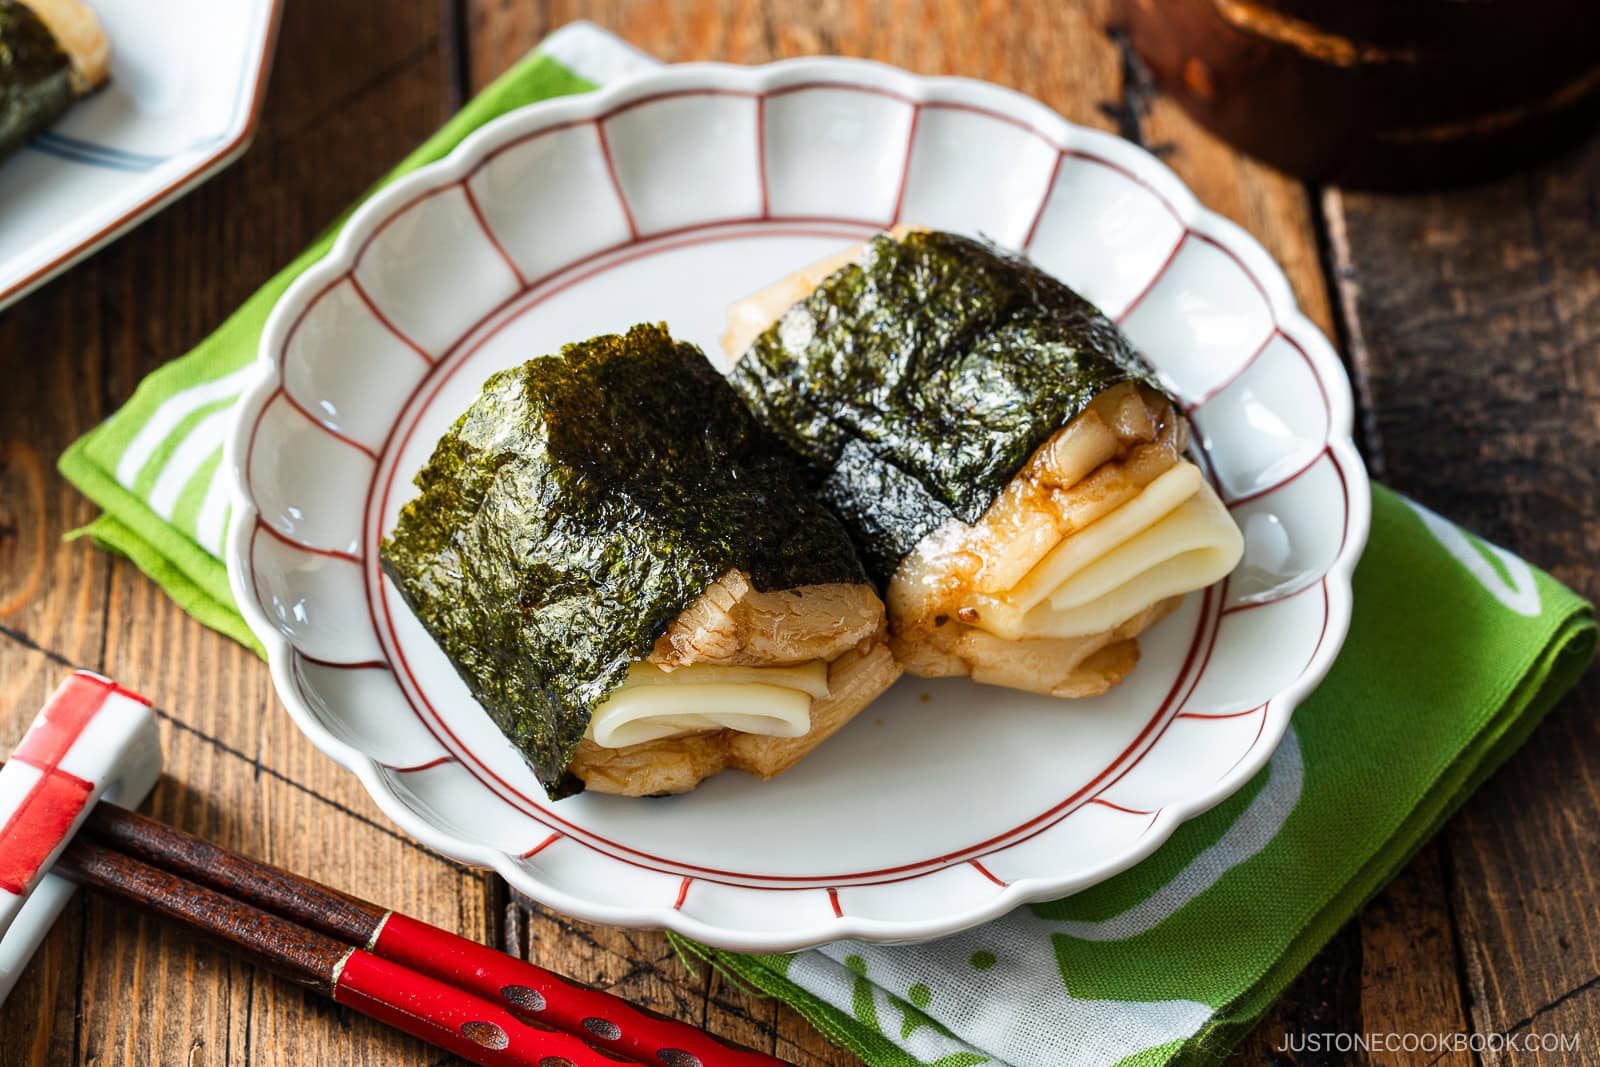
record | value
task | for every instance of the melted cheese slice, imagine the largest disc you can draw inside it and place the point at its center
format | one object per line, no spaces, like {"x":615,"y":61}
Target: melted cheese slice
{"x":1174,"y":537}
{"x":653,"y":703}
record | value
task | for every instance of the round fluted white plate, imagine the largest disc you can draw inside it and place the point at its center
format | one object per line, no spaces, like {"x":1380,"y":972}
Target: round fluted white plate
{"x":665,"y":198}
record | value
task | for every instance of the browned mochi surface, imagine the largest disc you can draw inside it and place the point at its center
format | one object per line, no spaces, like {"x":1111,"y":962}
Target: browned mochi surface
{"x":947,"y":596}
{"x":1099,"y":461}
{"x":624,"y":567}
{"x":733,"y":624}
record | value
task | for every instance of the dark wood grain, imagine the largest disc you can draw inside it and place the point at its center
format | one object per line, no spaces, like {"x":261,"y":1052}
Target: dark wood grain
{"x":38,"y":1020}
{"x":244,"y":878}
{"x":44,"y":596}
{"x":350,"y":95}
{"x":1067,"y":54}
{"x":53,"y":357}
{"x":240,"y":805}
{"x":1411,"y":968}
{"x":291,"y":951}
{"x":1477,"y":316}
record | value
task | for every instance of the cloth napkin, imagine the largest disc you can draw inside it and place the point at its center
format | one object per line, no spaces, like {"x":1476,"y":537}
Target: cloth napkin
{"x":1457,"y":649}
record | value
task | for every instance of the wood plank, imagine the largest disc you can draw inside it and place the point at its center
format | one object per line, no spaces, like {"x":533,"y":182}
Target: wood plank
{"x":749,"y":1017}
{"x":341,"y":108}
{"x":1560,"y":1034}
{"x":1323,"y":999}
{"x":53,"y":356}
{"x":637,"y":965}
{"x":52,"y":592}
{"x":1055,"y":51}
{"x":1476,"y":316}
{"x":1410,"y":969}
{"x":186,"y":994}
{"x":1059,"y":53}
{"x":642,"y":967}
{"x":1393,"y":969}
{"x":113,"y":985}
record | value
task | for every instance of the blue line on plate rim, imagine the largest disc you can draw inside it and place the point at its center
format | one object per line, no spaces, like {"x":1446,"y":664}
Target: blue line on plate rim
{"x":76,"y":150}
{"x":73,"y":155}
{"x":77,"y":144}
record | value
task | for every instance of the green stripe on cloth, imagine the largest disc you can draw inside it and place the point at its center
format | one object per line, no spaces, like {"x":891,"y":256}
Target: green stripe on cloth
{"x":1456,"y":651}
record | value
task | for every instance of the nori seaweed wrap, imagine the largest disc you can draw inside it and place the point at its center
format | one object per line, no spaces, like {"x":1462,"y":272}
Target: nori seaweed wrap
{"x":1003,"y":458}
{"x":632,"y":575}
{"x":51,"y":53}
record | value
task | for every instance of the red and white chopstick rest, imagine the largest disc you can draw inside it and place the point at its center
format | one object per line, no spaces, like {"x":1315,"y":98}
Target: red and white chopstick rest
{"x":92,"y":741}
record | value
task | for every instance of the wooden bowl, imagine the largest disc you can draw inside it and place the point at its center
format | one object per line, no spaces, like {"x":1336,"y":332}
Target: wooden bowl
{"x":1375,"y":92}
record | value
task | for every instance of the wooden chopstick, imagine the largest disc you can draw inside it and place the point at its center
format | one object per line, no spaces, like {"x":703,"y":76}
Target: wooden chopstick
{"x":424,"y":1007}
{"x":530,"y":994}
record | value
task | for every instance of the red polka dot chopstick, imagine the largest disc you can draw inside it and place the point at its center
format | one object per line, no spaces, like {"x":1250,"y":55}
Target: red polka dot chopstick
{"x":480,"y":1004}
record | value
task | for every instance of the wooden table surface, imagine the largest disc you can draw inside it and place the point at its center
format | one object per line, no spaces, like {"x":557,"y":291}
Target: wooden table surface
{"x":1470,"y":322}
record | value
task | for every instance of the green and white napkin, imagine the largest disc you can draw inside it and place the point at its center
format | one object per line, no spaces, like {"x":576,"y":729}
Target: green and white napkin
{"x":1456,"y":650}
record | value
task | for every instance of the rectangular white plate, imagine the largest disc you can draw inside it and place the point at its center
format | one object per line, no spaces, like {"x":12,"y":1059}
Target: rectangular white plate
{"x":187,"y":77}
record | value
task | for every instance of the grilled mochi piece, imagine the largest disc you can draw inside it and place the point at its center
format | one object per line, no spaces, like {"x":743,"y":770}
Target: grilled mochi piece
{"x":51,"y":53}
{"x":1096,"y":539}
{"x":625,"y":567}
{"x":679,"y":762}
{"x":1013,"y":475}
{"x":741,"y":680}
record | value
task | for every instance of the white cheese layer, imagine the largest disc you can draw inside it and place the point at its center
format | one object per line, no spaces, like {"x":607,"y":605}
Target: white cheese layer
{"x":1173,"y":538}
{"x":653,"y":703}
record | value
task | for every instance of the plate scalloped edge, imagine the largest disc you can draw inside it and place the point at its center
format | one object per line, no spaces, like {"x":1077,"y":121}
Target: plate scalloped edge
{"x":1196,"y":222}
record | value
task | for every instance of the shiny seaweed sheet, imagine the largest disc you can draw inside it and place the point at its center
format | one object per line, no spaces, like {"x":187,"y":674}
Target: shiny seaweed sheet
{"x":576,"y":508}
{"x":35,"y":77}
{"x":918,"y":382}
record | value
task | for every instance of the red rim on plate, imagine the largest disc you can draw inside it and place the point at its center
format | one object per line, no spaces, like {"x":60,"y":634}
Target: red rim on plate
{"x":561,"y":859}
